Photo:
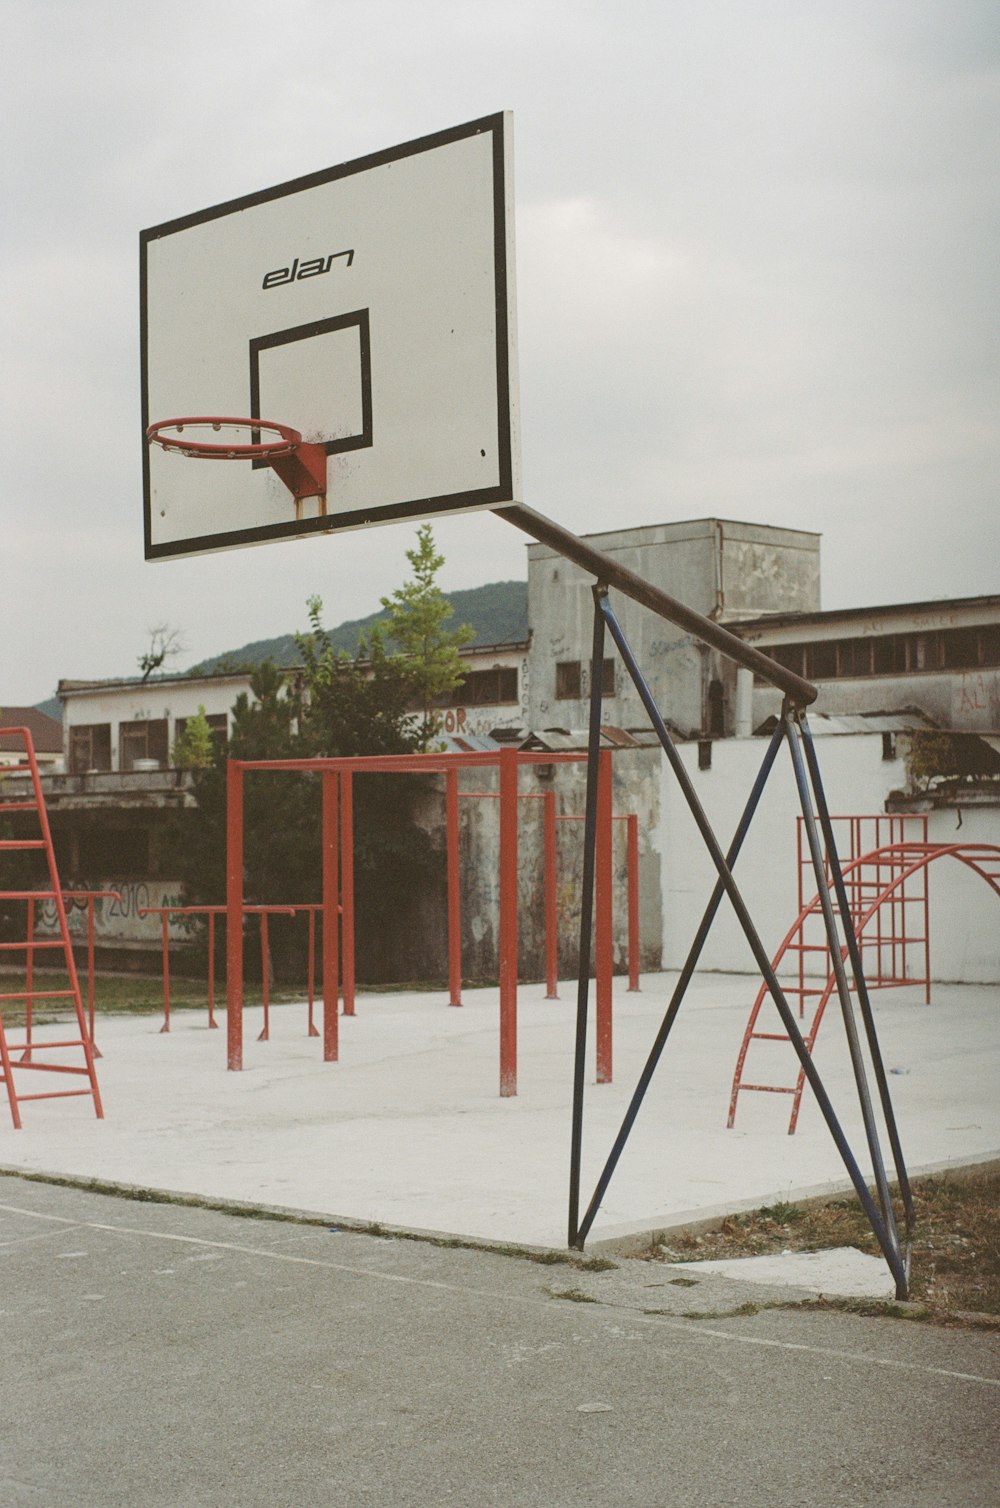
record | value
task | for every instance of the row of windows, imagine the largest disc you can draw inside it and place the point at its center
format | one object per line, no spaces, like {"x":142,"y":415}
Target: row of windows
{"x":90,"y":743}
{"x":891,"y":654}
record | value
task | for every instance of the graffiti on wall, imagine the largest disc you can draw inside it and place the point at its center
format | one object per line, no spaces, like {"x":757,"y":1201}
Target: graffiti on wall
{"x":117,"y":917}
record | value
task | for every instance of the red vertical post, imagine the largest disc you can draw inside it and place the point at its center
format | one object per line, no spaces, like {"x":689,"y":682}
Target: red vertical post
{"x":454,"y":895}
{"x":603,"y":941}
{"x":234,"y":916}
{"x":551,"y":913}
{"x":347,"y":887}
{"x":90,"y":971}
{"x":330,"y":917}
{"x":632,"y":871}
{"x":508,"y":922}
{"x":265,"y":1035}
{"x":29,"y":983}
{"x":213,"y":1025}
{"x":165,"y":944}
{"x":311,"y":971}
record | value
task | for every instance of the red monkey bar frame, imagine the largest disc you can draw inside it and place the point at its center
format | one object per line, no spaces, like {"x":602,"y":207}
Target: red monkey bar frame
{"x":337,"y":850}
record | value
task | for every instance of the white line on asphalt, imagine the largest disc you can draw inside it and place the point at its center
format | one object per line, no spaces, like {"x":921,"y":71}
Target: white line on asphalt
{"x":691,"y":1328}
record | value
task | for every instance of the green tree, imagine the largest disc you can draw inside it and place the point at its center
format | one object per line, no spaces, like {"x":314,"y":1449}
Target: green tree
{"x":195,"y":749}
{"x":353,"y":706}
{"x":417,"y":614}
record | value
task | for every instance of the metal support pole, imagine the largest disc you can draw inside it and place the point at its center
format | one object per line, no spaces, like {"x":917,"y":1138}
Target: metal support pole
{"x":632,"y":880}
{"x":311,"y":972}
{"x":603,"y":940}
{"x":875,"y":1219}
{"x":212,"y":1023}
{"x":90,"y":973}
{"x":794,"y":734}
{"x":576,"y":1237}
{"x":234,"y":916}
{"x":165,"y":946}
{"x":551,"y":910}
{"x":265,"y":969}
{"x":864,"y":999}
{"x":330,"y":918}
{"x":508,"y":922}
{"x":347,"y":888}
{"x":454,"y":894}
{"x":29,"y":983}
{"x":680,"y":988}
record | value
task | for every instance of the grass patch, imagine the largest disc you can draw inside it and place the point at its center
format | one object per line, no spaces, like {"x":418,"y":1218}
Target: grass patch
{"x":955,"y":1263}
{"x":571,"y":1295}
{"x":132,"y":994}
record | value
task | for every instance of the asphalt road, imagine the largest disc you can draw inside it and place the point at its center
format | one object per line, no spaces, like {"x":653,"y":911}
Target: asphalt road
{"x":161,"y":1355}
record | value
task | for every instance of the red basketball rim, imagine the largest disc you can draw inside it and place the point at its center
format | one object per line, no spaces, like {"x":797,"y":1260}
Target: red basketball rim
{"x":287,"y":442}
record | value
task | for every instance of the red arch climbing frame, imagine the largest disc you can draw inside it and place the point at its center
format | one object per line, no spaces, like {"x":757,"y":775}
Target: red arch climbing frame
{"x":904,"y":861}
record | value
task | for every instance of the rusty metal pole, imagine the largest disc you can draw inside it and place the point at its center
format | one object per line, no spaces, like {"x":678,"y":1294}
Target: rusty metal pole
{"x":508,"y":922}
{"x":265,"y":961}
{"x":603,"y":928}
{"x":551,"y":911}
{"x":311,"y":972}
{"x":165,"y":943}
{"x":212,"y":1023}
{"x":330,"y":918}
{"x":632,"y":873}
{"x":234,"y":916}
{"x":347,"y":887}
{"x":454,"y":894}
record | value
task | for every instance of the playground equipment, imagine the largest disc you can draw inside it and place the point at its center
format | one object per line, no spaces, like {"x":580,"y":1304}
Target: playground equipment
{"x":210,"y":913}
{"x":884,"y":885}
{"x":338,"y":886}
{"x":32,"y":1050}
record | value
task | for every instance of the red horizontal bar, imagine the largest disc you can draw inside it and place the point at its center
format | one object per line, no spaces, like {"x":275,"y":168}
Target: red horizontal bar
{"x":20,"y":843}
{"x":30,"y":943}
{"x":40,"y":995}
{"x":768,"y":1088}
{"x":409,"y":763}
{"x":53,"y":1094}
{"x":51,"y":1067}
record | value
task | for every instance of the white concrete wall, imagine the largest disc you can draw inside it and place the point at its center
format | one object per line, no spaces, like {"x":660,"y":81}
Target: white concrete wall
{"x":965,"y":913}
{"x":131,"y":702}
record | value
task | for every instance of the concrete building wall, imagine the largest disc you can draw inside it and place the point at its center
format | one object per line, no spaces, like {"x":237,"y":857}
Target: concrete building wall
{"x":723,"y":570}
{"x":171,"y":698}
{"x":965,"y":913}
{"x":955,"y":695}
{"x":636,"y":789}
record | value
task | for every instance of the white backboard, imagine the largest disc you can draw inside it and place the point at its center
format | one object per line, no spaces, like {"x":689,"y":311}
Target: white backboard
{"x":371,"y":307}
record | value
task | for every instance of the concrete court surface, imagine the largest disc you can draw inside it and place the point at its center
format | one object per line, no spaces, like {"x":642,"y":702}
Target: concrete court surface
{"x":165,"y":1357}
{"x":407,"y":1128}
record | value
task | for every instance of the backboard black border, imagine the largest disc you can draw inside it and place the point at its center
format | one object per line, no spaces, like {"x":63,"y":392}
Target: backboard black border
{"x":356,"y":319}
{"x":417,"y":507}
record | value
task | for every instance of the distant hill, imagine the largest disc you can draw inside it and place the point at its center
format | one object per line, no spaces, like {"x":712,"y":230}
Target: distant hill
{"x":498,"y":612}
{"x":52,"y":708}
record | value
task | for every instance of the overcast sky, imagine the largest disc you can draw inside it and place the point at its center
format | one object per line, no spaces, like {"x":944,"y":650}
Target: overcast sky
{"x":757,"y":279}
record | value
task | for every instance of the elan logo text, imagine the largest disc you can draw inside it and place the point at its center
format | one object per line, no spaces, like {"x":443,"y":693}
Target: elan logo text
{"x":313,"y":268}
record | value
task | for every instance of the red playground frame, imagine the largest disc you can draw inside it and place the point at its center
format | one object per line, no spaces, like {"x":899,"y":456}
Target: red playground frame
{"x":338,"y":887}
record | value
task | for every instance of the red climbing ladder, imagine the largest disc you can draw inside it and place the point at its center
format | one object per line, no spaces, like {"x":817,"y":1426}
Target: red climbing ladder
{"x":34,"y":1053}
{"x":884,"y":888}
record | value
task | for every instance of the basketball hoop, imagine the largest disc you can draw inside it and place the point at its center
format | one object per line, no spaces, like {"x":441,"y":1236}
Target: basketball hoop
{"x":299,"y":464}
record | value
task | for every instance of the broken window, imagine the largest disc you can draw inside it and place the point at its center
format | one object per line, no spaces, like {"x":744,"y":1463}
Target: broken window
{"x":89,"y":747}
{"x":143,"y":740}
{"x":568,"y":679}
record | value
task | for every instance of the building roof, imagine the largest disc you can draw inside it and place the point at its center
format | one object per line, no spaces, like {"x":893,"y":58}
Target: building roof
{"x":178,"y":678}
{"x":845,"y":614}
{"x":46,"y":732}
